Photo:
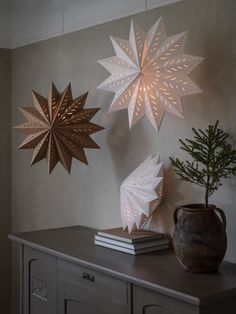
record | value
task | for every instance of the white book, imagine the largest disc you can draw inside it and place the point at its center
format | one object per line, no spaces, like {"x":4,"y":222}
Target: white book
{"x":135,"y":237}
{"x":134,"y":246}
{"x":129,"y":251}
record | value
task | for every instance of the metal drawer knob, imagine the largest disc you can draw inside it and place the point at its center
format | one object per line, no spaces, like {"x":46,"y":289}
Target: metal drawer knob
{"x":88,"y":277}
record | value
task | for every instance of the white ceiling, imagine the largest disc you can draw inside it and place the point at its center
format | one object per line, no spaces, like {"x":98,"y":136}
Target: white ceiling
{"x":27,"y":21}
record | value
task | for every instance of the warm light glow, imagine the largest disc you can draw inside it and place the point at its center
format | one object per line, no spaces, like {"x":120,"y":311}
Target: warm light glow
{"x":141,"y":193}
{"x":149,"y":74}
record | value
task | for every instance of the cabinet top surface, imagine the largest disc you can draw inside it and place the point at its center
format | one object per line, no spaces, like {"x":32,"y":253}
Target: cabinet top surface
{"x":159,"y":271}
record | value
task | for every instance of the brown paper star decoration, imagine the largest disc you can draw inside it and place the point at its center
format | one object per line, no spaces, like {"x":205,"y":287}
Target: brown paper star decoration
{"x":58,"y":128}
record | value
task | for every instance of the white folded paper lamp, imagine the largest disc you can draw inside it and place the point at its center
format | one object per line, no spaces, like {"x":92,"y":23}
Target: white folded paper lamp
{"x":141,"y":193}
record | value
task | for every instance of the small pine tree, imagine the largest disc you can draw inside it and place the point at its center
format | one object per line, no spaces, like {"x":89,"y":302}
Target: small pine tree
{"x":213,"y":158}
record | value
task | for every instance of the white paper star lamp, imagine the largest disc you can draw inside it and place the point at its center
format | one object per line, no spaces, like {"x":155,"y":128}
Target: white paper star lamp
{"x":149,"y":74}
{"x":141,"y":193}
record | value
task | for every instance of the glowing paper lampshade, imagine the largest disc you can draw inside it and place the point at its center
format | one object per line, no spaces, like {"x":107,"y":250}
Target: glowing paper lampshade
{"x":149,"y":74}
{"x":141,"y":193}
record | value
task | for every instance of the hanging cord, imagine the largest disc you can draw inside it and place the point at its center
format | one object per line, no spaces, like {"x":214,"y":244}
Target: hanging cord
{"x":61,"y":45}
{"x":146,"y":8}
{"x":148,"y":222}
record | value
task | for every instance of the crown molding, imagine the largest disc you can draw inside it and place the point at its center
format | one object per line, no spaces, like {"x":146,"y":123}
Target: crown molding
{"x":78,"y":25}
{"x":152,"y":4}
{"x":24,"y":31}
{"x":117,"y":14}
{"x":5,"y":44}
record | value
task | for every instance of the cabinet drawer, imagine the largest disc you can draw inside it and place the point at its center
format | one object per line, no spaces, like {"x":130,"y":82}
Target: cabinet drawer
{"x":146,"y":301}
{"x":96,"y":281}
{"x":73,"y":298}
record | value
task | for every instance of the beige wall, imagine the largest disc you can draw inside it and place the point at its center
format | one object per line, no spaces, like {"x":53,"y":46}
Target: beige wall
{"x":90,"y":195}
{"x":5,"y":180}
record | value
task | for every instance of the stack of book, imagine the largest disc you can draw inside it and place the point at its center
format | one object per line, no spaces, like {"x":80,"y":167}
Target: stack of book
{"x":138,"y":242}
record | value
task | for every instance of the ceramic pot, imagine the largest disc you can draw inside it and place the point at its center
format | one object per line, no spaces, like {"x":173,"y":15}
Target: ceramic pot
{"x":199,"y":239}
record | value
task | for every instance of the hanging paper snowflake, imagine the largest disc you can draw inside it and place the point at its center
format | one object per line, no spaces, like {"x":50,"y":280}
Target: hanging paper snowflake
{"x":141,"y":193}
{"x":58,"y":128}
{"x":149,"y":74}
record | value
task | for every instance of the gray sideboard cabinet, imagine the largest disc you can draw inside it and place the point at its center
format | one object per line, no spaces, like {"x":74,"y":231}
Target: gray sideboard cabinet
{"x":63,"y":272}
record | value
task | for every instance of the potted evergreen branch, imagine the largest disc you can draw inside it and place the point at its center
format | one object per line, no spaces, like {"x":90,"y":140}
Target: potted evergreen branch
{"x":200,"y":239}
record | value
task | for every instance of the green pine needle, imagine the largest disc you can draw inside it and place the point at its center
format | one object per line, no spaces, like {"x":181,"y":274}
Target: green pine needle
{"x":213,"y":158}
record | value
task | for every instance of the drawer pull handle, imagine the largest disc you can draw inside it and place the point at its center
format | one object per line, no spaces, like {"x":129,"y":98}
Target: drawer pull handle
{"x":88,"y":277}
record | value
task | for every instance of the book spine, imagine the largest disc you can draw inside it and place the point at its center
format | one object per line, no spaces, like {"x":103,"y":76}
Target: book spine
{"x":133,"y":246}
{"x":111,"y":236}
{"x":114,"y":242}
{"x":113,"y":247}
{"x":129,"y":251}
{"x":130,"y":241}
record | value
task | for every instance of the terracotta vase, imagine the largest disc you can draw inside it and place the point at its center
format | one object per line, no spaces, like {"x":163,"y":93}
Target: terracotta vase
{"x":199,"y":239}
